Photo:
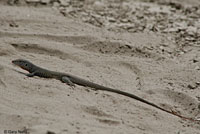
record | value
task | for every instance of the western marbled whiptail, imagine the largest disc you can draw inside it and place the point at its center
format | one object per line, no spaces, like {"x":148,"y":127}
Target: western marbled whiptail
{"x":71,"y":80}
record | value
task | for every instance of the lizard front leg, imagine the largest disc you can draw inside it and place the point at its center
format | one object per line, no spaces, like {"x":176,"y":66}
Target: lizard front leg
{"x":31,"y":74}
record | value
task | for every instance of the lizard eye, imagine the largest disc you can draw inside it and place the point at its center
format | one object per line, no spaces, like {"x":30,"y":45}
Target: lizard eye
{"x":26,"y":64}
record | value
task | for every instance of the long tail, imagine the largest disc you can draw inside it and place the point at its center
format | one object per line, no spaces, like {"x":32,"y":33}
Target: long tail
{"x":147,"y":102}
{"x":99,"y":87}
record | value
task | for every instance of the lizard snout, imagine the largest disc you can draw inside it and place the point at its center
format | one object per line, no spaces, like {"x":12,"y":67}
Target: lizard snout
{"x":14,"y":62}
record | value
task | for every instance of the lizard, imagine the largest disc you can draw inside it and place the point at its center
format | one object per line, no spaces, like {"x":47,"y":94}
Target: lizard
{"x":71,"y":80}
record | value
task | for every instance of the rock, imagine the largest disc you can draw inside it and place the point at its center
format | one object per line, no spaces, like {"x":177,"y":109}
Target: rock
{"x":50,"y":132}
{"x":195,"y":60}
{"x":99,"y":6}
{"x":198,"y":83}
{"x":45,"y":1}
{"x":192,"y":85}
{"x":111,"y":19}
{"x":191,"y":30}
{"x":197,"y":68}
{"x":32,"y":1}
{"x":64,"y":2}
{"x":13,"y":24}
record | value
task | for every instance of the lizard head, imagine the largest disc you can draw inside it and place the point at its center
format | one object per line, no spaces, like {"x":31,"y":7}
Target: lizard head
{"x":24,"y":64}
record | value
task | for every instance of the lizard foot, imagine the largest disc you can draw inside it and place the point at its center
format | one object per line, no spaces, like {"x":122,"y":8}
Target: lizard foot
{"x":68,"y":82}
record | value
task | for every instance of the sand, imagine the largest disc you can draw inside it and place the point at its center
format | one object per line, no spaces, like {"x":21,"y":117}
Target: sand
{"x":132,"y":62}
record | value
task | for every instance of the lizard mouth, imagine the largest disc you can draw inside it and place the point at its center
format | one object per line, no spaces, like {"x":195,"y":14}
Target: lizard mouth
{"x":19,"y":66}
{"x":15,"y":63}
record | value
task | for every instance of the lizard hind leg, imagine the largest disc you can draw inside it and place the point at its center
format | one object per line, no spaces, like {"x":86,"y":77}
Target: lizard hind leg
{"x":67,"y":81}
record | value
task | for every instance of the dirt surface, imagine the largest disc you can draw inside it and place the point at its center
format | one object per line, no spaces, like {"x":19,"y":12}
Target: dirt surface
{"x":149,"y":48}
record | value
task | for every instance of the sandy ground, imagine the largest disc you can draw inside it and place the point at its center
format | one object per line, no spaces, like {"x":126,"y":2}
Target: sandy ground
{"x":131,"y":62}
